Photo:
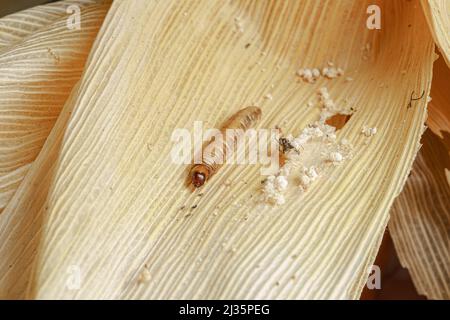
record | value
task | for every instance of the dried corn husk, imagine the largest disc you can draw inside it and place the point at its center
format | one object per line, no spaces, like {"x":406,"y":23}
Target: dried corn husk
{"x":104,"y":199}
{"x":420,"y":223}
{"x":439,"y":112}
{"x":437,"y":13}
{"x":40,"y":61}
{"x":15,"y":27}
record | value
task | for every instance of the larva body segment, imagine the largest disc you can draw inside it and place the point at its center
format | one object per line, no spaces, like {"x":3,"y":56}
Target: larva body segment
{"x":241,"y":120}
{"x":244,"y":119}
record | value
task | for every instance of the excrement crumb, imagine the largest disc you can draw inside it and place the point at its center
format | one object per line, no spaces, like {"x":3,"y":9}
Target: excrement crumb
{"x":238,"y":24}
{"x":145,"y":275}
{"x":268,"y":96}
{"x":368,"y":131}
{"x":307,"y":156}
{"x":336,"y":157}
{"x":310,"y":75}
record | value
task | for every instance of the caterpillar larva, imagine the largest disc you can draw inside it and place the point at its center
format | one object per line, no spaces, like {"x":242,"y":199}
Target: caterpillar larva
{"x":244,"y":120}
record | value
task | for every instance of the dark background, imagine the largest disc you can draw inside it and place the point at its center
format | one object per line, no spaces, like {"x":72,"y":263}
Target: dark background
{"x":10,"y":6}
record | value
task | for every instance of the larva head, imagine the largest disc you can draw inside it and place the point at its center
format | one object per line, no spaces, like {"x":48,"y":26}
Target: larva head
{"x":199,"y":174}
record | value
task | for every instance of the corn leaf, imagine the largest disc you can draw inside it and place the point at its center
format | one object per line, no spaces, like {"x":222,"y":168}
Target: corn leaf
{"x":437,"y":13}
{"x":105,"y":202}
{"x":420,"y":223}
{"x":40,"y":61}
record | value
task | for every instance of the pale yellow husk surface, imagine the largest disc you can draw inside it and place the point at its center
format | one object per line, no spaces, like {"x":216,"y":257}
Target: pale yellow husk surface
{"x":437,"y":13}
{"x":15,"y":27}
{"x":104,"y":198}
{"x":420,"y":222}
{"x":40,"y":61}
